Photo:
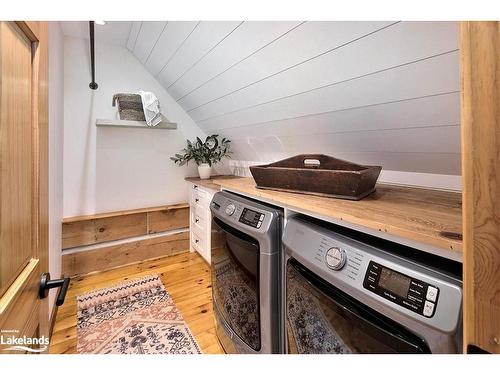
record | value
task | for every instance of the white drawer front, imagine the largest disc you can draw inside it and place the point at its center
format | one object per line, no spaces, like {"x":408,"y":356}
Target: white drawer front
{"x":197,"y":193}
{"x":203,"y":212}
{"x":201,"y":232}
{"x":198,"y":242}
{"x":204,"y":202}
{"x":200,"y":198}
{"x":201,"y":195}
{"x":199,"y":224}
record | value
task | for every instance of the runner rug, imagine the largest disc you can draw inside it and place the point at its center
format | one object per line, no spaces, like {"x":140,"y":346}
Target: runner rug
{"x":134,"y":317}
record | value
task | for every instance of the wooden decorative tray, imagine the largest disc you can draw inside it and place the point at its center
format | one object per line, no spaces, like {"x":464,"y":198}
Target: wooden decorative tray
{"x":318,"y":174}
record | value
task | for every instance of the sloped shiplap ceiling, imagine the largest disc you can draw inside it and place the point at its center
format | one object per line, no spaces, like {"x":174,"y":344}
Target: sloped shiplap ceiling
{"x":384,"y":93}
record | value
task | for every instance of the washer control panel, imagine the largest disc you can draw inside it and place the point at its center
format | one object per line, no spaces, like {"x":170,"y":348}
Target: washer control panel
{"x":411,"y":293}
{"x":251,"y":218}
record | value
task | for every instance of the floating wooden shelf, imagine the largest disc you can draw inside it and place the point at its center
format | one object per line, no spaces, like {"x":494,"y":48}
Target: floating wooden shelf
{"x":135,"y":124}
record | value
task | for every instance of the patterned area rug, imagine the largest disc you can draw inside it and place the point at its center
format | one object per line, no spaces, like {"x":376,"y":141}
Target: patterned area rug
{"x":309,"y":330}
{"x":237,"y":293}
{"x":134,"y":317}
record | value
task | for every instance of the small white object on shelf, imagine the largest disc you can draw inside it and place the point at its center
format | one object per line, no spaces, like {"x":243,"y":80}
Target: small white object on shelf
{"x":135,"y":124}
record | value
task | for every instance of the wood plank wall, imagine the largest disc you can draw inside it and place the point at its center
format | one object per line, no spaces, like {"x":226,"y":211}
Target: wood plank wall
{"x":383,"y":93}
{"x":480,"y":64}
{"x":104,"y":241}
{"x":93,"y":229}
{"x":112,"y":256}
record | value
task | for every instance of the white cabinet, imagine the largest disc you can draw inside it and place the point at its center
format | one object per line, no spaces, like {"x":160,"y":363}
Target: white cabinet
{"x":200,"y":223}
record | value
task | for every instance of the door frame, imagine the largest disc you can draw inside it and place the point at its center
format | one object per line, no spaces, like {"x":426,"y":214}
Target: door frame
{"x":480,"y":97}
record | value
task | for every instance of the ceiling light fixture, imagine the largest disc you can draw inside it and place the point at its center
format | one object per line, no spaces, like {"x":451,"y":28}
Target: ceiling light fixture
{"x":100,"y":22}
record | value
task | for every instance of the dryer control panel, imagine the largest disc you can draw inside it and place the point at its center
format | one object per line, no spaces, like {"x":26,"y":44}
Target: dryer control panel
{"x":413,"y":294}
{"x":251,"y":217}
{"x":396,"y":286}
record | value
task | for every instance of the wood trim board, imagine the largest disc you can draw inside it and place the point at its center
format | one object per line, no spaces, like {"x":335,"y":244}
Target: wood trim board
{"x":93,"y":229}
{"x":125,"y":212}
{"x":112,"y":256}
{"x":480,"y":74}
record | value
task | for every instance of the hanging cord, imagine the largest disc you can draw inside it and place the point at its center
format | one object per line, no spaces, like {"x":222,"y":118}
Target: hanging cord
{"x":93,"y":85}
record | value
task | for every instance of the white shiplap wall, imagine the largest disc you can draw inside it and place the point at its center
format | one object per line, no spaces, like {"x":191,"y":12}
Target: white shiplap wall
{"x":383,"y":93}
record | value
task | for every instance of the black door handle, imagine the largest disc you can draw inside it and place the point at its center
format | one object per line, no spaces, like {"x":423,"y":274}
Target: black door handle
{"x":46,"y":284}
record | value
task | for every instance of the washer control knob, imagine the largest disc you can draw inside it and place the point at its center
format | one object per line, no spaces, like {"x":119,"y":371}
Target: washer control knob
{"x":230,"y":208}
{"x":336,"y":258}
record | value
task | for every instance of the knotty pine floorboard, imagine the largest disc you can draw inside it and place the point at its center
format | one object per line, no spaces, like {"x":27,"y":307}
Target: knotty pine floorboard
{"x":185,"y":276}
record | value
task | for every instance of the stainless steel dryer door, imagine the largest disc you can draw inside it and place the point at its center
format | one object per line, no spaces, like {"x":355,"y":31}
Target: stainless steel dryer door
{"x":235,"y":281}
{"x":322,"y":319}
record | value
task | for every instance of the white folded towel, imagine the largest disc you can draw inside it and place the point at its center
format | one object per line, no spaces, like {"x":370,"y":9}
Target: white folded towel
{"x":151,"y":106}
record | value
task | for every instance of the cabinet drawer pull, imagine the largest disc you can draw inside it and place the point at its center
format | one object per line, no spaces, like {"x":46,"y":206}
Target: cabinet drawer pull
{"x":196,"y":200}
{"x":196,"y":241}
{"x":196,"y":220}
{"x":195,"y":186}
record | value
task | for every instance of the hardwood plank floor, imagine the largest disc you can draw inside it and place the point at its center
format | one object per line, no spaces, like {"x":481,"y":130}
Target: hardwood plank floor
{"x":186,"y":277}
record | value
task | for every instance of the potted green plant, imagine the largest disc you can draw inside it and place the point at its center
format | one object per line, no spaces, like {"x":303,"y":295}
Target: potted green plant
{"x":205,"y":154}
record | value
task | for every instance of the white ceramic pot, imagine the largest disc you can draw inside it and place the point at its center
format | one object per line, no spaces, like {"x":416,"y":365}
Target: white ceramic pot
{"x":204,"y":170}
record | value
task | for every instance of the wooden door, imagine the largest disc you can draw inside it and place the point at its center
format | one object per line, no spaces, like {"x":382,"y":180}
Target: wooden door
{"x":23,"y":183}
{"x":480,"y":71}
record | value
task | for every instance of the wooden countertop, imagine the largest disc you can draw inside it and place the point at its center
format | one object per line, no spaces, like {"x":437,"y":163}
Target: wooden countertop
{"x":209,"y":183}
{"x":420,"y":218}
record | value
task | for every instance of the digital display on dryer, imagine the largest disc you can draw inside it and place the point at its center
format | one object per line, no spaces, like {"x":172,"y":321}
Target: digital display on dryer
{"x":252,"y":218}
{"x":413,"y":294}
{"x":250,"y":215}
{"x":394,"y":282}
